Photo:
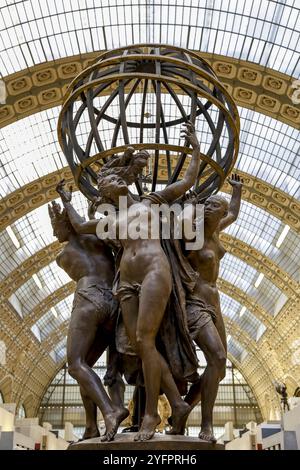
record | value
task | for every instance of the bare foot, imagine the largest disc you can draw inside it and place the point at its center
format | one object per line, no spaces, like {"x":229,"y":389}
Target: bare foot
{"x":112,"y":422}
{"x":179,"y":419}
{"x":148,"y":427}
{"x":89,"y":433}
{"x":206,"y":434}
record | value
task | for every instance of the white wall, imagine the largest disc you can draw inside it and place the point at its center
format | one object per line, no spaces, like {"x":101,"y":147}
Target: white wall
{"x":246,"y":442}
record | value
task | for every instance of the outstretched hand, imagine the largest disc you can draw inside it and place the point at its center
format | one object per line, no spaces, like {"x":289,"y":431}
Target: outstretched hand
{"x":236,"y":181}
{"x":190,"y":135}
{"x":66,"y":196}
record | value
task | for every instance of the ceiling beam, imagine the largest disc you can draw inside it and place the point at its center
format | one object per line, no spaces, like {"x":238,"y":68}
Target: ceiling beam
{"x":251,"y":85}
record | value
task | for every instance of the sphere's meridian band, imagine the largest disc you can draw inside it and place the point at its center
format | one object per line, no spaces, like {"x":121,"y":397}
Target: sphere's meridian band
{"x":150,"y":71}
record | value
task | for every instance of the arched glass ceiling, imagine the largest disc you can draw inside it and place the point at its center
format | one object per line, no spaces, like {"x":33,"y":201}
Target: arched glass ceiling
{"x":29,"y":149}
{"x":53,"y":318}
{"x":35,"y":31}
{"x":239,"y":314}
{"x":236,"y":349}
{"x":29,"y":295}
{"x":38,"y":288}
{"x":254,"y":226}
{"x":233,"y":270}
{"x":60,"y":350}
{"x":261,"y":230}
{"x":269,"y":150}
{"x":244,"y":277}
{"x":232,"y":309}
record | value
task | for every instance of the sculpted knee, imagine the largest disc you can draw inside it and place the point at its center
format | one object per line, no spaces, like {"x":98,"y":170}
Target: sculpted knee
{"x":73,"y":369}
{"x":221,"y":363}
{"x":139,"y":345}
{"x":144,"y":344}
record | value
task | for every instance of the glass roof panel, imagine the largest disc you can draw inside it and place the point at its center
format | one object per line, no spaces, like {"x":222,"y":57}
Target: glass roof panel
{"x":230,"y":308}
{"x":261,"y":230}
{"x":35,"y":31}
{"x":244,"y":277}
{"x":254,"y":226}
{"x":54,"y":317}
{"x":235,"y":348}
{"x":245,"y":319}
{"x":31,"y":293}
{"x":59,"y":352}
{"x":29,"y":148}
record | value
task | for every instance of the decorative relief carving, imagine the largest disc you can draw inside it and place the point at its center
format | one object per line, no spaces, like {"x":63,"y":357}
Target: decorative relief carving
{"x":228,"y":87}
{"x":32,"y":188}
{"x":89,"y":62}
{"x":258,"y":199}
{"x":268,"y":103}
{"x":263,"y":188}
{"x":26,"y":104}
{"x":18,"y":211}
{"x":295,"y":207}
{"x":20,"y":85}
{"x":291,"y":219}
{"x":62,"y":71}
{"x":69,"y":70}
{"x":6,"y":112}
{"x":49,"y":96}
{"x":64,"y":89}
{"x":44,"y":77}
{"x":248,"y":75}
{"x":279,"y":211}
{"x":280,"y":197}
{"x":225,"y":69}
{"x":255,"y":191}
{"x":288,"y":112}
{"x":276,"y":85}
{"x":14,"y":198}
{"x":291,"y":113}
{"x":245,"y":95}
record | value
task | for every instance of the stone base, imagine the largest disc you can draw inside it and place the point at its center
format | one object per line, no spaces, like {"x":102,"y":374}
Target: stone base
{"x":158,"y":442}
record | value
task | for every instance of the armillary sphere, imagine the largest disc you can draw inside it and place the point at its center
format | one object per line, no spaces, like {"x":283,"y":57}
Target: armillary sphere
{"x":140,"y":96}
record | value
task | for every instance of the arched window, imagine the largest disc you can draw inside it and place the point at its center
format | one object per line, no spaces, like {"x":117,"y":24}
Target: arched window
{"x":2,"y":353}
{"x":235,"y":401}
{"x":21,"y":412}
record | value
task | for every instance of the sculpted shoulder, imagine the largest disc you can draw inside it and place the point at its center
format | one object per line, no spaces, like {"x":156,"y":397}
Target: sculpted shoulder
{"x":63,"y":257}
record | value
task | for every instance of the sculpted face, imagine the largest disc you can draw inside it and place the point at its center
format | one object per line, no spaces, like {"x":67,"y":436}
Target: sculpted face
{"x":61,"y":231}
{"x":215,"y":208}
{"x":113,"y":186}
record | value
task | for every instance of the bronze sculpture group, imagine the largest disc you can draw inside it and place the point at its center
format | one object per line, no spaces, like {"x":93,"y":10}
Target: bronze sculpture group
{"x":166,"y":295}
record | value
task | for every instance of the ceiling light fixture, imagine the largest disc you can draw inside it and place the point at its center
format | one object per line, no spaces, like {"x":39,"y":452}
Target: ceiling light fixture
{"x":13,"y":237}
{"x":37,"y":281}
{"x":258,"y":280}
{"x":54,"y":312}
{"x":243,"y":310}
{"x":281,"y":238}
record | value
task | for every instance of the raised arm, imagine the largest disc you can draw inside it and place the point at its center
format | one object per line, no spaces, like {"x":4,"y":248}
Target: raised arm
{"x":234,"y":207}
{"x":175,"y":190}
{"x":76,"y":220}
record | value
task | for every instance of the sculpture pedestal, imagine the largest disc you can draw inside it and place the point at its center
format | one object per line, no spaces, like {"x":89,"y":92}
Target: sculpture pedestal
{"x":158,"y":442}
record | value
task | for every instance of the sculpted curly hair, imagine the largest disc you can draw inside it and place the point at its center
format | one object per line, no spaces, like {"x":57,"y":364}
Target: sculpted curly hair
{"x":58,"y":216}
{"x":127,"y":166}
